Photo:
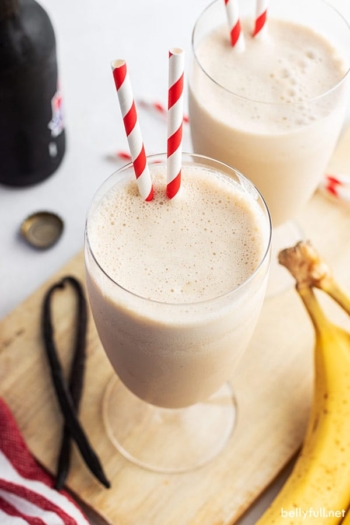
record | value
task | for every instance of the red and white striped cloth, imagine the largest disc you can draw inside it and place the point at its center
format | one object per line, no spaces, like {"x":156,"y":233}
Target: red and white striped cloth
{"x":27,"y":495}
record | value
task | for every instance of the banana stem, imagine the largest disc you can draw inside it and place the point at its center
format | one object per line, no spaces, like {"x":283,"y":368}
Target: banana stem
{"x":311,"y":271}
{"x":316,"y":314}
{"x":330,"y":287}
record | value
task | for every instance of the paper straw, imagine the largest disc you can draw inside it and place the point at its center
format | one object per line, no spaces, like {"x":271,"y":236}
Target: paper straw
{"x":156,"y":106}
{"x":175,"y":121}
{"x":234,"y":23}
{"x":123,"y":155}
{"x":132,"y":129}
{"x":339,"y":178}
{"x":337,"y":186}
{"x":261,"y":17}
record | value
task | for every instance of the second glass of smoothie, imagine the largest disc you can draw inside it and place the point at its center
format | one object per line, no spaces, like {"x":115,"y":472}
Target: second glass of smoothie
{"x":175,"y":287}
{"x":274,"y":110}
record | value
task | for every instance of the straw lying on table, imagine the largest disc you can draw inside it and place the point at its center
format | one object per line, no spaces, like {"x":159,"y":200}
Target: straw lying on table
{"x":158,"y":107}
{"x":337,"y":186}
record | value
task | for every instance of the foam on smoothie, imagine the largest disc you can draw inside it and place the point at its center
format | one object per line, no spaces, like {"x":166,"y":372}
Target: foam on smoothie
{"x":200,"y":245}
{"x":290,"y":65}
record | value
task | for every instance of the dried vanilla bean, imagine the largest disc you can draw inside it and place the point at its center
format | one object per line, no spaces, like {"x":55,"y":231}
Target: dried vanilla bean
{"x":69,"y":398}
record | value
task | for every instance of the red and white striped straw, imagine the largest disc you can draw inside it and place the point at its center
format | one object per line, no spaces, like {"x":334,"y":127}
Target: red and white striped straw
{"x":260,"y":17}
{"x":339,"y":178}
{"x":234,"y":23}
{"x":175,"y":121}
{"x":148,"y":104}
{"x":132,"y":128}
{"x":156,"y":106}
{"x":337,"y":186}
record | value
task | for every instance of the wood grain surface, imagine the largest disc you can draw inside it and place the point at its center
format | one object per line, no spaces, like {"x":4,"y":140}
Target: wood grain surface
{"x":273,"y":384}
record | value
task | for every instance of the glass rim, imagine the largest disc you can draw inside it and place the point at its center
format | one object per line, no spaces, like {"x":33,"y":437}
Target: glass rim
{"x":269,"y":103}
{"x":192,"y":303}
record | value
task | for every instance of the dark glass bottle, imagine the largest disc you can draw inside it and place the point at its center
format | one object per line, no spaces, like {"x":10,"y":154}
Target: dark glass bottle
{"x":32,"y":137}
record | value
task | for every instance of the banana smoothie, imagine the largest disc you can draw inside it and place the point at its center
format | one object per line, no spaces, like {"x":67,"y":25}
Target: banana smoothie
{"x":176,"y":286}
{"x":275,"y":110}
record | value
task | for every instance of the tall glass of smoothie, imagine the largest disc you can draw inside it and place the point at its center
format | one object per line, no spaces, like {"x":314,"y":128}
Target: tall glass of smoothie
{"x":175,"y":287}
{"x":274,"y":110}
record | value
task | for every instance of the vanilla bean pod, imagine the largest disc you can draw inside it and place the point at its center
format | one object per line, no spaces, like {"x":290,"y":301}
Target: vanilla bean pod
{"x":76,"y":376}
{"x":69,"y":400}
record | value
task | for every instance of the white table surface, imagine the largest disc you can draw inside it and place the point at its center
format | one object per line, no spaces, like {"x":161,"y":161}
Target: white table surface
{"x":89,"y":35}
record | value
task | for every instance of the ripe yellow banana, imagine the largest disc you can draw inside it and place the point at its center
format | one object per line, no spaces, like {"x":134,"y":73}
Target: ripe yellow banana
{"x":318,"y":489}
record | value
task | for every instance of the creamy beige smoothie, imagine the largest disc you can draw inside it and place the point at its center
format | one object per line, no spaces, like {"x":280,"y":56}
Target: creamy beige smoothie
{"x":273,"y":111}
{"x":176,"y":286}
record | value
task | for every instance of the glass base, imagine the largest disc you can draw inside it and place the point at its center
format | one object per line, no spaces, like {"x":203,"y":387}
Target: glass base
{"x":284,"y":236}
{"x":165,"y":439}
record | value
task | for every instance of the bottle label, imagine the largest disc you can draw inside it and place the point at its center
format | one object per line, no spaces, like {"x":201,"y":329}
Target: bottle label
{"x":56,"y":123}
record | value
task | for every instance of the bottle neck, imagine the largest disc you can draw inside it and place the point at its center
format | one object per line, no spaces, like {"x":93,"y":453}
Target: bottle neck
{"x":8,"y":9}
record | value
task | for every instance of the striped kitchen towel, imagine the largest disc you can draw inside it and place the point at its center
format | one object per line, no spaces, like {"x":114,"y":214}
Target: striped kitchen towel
{"x":27,"y":495}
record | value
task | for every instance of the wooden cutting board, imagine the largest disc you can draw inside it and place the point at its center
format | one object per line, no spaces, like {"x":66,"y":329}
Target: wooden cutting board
{"x":272,"y":383}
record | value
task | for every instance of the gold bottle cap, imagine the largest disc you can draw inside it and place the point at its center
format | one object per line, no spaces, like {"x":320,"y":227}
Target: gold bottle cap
{"x":42,"y":229}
